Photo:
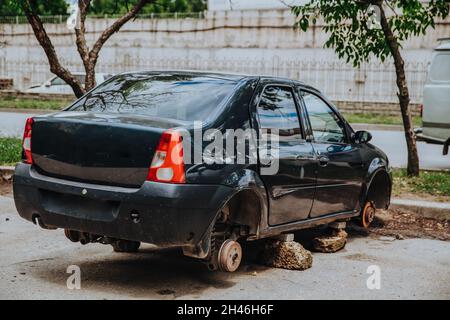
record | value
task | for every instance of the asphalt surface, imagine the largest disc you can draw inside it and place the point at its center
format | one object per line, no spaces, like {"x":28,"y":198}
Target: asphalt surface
{"x":34,"y":262}
{"x":12,"y":124}
{"x":391,"y":142}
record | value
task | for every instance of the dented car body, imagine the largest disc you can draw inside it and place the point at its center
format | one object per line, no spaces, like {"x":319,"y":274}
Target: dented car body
{"x":99,"y":169}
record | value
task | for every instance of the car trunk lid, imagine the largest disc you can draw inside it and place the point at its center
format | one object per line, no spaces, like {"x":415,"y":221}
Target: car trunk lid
{"x":100,"y":148}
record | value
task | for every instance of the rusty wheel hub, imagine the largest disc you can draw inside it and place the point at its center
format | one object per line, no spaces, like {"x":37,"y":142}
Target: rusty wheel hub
{"x":368,"y":214}
{"x":230,"y":256}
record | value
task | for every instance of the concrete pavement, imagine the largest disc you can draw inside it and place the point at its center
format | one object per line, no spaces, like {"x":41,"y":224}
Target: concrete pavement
{"x":34,"y":262}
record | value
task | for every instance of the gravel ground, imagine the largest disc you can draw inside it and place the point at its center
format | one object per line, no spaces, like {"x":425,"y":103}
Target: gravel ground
{"x":33,"y":265}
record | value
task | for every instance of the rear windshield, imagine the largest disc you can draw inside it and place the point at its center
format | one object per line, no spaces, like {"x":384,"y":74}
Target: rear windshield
{"x":181,"y":97}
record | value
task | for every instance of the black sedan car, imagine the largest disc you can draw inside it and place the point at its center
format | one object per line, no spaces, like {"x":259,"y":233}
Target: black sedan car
{"x":201,"y":161}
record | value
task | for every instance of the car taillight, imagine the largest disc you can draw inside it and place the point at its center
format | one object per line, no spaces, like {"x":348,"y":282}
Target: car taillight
{"x":168,"y":163}
{"x":26,"y":142}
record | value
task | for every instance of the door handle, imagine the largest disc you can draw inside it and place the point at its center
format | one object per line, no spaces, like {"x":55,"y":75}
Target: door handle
{"x":305,"y":157}
{"x":323,"y":161}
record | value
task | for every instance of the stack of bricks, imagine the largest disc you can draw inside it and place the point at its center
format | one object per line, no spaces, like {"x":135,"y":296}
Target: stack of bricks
{"x":6,"y":84}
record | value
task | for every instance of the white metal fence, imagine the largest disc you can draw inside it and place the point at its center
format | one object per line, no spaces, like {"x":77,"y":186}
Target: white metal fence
{"x":373,"y":82}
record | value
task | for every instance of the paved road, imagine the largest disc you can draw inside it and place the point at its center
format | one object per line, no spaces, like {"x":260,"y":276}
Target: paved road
{"x":392,"y":142}
{"x":12,"y":124}
{"x":33,"y":264}
{"x":394,"y":145}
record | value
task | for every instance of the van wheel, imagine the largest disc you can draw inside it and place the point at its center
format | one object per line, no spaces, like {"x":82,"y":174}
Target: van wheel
{"x":368,"y":214}
{"x":126,"y":246}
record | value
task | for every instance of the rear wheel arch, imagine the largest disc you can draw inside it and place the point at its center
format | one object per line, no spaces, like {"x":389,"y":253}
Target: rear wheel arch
{"x":246,"y":209}
{"x":246,"y":204}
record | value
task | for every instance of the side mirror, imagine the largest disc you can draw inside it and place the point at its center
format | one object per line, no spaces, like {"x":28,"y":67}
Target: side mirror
{"x":362,"y":137}
{"x":47,"y":84}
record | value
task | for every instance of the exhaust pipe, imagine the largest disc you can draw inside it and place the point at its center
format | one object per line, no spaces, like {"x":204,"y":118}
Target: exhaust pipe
{"x":38,"y":221}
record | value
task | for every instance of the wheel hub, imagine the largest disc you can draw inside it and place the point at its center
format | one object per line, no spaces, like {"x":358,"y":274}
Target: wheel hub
{"x":368,"y":214}
{"x":230,"y":256}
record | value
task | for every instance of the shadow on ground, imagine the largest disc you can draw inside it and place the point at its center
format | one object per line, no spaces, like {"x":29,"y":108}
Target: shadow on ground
{"x":154,"y":273}
{"x":150,"y":273}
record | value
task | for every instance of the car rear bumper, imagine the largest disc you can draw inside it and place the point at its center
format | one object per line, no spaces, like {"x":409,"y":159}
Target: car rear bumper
{"x":168,"y":214}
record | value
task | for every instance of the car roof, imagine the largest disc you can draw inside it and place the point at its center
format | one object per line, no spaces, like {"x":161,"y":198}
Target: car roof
{"x":224,"y":75}
{"x":221,"y":75}
{"x":210,"y":74}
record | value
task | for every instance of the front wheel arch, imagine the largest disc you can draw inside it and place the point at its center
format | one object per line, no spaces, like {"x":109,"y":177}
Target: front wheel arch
{"x":379,"y":190}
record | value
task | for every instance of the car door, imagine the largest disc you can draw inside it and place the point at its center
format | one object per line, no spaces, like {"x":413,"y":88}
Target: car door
{"x":291,"y":188}
{"x":340,"y":166}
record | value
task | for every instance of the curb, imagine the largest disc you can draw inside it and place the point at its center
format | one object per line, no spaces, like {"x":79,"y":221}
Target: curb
{"x":376,"y":127}
{"x":427,"y":209}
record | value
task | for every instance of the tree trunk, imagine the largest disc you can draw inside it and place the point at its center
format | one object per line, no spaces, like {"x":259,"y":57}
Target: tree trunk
{"x":403,"y":95}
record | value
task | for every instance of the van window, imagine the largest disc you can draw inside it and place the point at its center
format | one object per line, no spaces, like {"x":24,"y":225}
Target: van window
{"x":440,"y":68}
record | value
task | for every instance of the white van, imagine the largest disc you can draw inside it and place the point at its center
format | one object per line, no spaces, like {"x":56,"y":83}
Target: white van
{"x":436,"y":99}
{"x":57,"y":85}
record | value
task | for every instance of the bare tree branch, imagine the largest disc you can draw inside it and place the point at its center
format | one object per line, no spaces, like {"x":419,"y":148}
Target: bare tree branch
{"x":93,"y":54}
{"x":45,"y":42}
{"x":82,"y":47}
{"x":88,"y":57}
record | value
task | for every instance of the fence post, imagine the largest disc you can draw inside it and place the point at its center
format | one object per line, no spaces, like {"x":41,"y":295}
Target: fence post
{"x":17,"y":19}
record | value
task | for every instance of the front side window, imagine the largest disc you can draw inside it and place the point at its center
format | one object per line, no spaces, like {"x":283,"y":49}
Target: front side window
{"x":170,"y":96}
{"x":325,"y":124}
{"x":277,"y":110}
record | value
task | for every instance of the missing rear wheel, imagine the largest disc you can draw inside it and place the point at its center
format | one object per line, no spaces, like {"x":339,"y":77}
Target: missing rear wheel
{"x":126,"y":246}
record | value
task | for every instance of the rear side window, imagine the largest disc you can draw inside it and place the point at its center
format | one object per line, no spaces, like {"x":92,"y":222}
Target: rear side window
{"x":180,"y":97}
{"x":440,"y":68}
{"x":277,"y":110}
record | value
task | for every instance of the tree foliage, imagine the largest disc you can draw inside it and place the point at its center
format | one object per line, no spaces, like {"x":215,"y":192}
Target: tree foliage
{"x":350,"y":24}
{"x":160,"y":6}
{"x":43,"y":7}
{"x":361,"y":29}
{"x":100,"y":7}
